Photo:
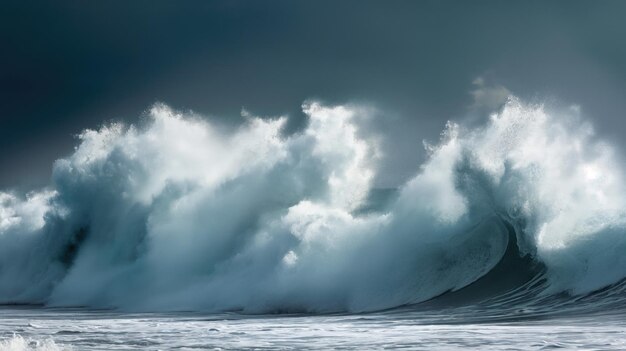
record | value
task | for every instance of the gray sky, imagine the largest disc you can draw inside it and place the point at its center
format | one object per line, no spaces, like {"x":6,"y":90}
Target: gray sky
{"x":66,"y":66}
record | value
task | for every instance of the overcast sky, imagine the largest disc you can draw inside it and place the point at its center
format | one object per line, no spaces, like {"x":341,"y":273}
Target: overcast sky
{"x":66,"y":66}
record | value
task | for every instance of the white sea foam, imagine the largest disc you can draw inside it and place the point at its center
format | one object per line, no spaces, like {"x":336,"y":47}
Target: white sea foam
{"x":180,"y":215}
{"x":19,"y":343}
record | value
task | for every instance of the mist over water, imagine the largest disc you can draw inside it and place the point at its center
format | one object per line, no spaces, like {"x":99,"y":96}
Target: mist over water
{"x":182,"y":214}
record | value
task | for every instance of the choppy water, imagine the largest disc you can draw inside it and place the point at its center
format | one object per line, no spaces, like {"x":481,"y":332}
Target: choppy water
{"x":54,"y":329}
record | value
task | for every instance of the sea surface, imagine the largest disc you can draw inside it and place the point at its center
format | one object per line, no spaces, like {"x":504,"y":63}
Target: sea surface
{"x":34,"y":328}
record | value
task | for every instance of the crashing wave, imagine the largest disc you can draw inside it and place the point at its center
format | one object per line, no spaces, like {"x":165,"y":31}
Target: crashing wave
{"x":181,"y":215}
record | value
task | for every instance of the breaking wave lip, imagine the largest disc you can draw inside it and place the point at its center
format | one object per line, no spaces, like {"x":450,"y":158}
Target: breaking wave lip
{"x":179,"y":215}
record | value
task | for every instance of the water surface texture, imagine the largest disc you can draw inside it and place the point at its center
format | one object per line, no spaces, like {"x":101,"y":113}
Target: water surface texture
{"x":88,"y":330}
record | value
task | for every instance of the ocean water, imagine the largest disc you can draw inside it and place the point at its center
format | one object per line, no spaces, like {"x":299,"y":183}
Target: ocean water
{"x":53,"y":329}
{"x":178,"y":233}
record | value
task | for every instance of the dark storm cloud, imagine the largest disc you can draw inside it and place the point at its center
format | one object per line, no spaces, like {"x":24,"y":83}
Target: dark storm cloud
{"x":72,"y":65}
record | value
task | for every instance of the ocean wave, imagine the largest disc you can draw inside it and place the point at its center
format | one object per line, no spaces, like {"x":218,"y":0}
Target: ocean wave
{"x":179,"y":214}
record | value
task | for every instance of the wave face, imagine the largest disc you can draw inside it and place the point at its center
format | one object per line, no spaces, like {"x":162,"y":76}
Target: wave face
{"x":179,"y":214}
